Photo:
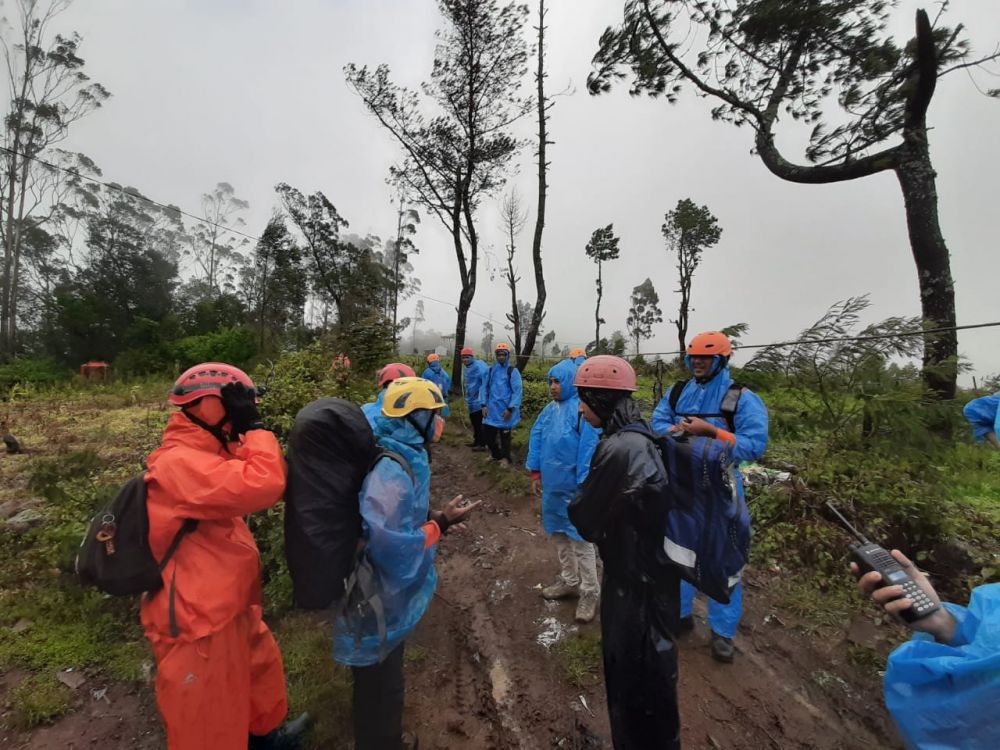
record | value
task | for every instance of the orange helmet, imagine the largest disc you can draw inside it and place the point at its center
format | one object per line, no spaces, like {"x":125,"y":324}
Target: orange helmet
{"x":392,"y":371}
{"x":578,"y":352}
{"x":502,"y":347}
{"x":206,"y":379}
{"x":432,"y":357}
{"x":607,"y":373}
{"x":709,"y":344}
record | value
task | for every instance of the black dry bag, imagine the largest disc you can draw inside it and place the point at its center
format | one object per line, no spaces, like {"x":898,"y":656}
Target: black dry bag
{"x":330,"y":450}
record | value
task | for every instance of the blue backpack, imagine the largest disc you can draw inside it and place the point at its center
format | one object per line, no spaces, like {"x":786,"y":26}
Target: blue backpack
{"x":708,"y":525}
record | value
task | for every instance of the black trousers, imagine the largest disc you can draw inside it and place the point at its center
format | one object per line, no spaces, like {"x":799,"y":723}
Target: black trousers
{"x":378,"y":703}
{"x":640,"y":663}
{"x":478,"y":433}
{"x":498,"y":441}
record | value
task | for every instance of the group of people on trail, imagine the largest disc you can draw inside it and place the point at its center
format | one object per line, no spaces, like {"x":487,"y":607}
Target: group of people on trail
{"x":603,"y":482}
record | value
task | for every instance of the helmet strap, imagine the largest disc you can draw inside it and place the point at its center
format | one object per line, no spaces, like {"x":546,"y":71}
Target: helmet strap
{"x":215,"y":430}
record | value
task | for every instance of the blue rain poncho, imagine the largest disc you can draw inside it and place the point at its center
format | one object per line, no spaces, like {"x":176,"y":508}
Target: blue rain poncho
{"x":439,"y":377}
{"x":393,"y":510}
{"x":475,"y":375}
{"x":501,"y":391}
{"x":946,"y":696}
{"x":579,"y":360}
{"x":984,"y":416}
{"x":751,"y":425}
{"x":373,"y":409}
{"x":560,"y":447}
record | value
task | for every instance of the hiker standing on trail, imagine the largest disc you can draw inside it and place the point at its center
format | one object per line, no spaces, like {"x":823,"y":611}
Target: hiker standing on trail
{"x":984,"y":416}
{"x":399,"y":534}
{"x":577,"y":356}
{"x":475,"y":373}
{"x":622,"y":507}
{"x":384,"y":377}
{"x":219,"y":674}
{"x":559,"y":453}
{"x":943,"y":686}
{"x":437,"y":374}
{"x":501,"y":394}
{"x":710,"y":404}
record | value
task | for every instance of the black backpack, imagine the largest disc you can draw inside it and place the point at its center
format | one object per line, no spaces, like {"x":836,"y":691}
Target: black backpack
{"x":331,"y":449}
{"x":727,"y":409}
{"x":114,"y":555}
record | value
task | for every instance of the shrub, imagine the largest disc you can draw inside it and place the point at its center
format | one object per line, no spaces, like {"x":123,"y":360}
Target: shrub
{"x":235,"y":346}
{"x":35,"y":371}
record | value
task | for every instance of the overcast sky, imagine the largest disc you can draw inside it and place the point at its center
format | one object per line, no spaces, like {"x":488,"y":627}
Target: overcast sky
{"x":252,"y":92}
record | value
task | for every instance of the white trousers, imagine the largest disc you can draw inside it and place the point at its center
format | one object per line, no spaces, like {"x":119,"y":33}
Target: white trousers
{"x":579,"y":563}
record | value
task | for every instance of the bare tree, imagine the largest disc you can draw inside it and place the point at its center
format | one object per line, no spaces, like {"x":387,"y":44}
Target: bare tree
{"x":603,"y":246}
{"x":213,"y":247}
{"x":514,"y":219}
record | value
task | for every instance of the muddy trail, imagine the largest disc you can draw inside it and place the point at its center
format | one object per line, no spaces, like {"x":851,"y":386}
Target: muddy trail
{"x":489,"y":673}
{"x":487,"y":666}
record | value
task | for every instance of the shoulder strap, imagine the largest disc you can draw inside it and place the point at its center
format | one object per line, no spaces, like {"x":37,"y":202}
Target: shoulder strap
{"x":383,"y":453}
{"x":189,"y":525}
{"x":730,"y":402}
{"x":675,"y":393}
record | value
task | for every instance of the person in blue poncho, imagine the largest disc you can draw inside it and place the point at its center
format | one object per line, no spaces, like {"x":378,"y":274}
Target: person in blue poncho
{"x":501,"y":394}
{"x":474,"y":373}
{"x":395,"y":574}
{"x":943,"y":687}
{"x":437,"y":374}
{"x":559,"y":452}
{"x":984,"y":416}
{"x":577,"y":356}
{"x":385,"y":376}
{"x":710,"y":404}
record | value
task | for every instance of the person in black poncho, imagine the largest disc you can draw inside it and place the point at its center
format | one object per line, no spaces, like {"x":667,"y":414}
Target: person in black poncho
{"x":622,"y":508}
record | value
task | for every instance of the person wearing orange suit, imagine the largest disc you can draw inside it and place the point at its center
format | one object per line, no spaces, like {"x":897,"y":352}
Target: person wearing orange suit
{"x":220,"y":682}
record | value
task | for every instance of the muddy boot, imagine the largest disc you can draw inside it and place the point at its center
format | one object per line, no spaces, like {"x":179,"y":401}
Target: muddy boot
{"x":686,"y":625}
{"x":290,"y":736}
{"x":560,"y":590}
{"x":722,"y":649}
{"x":586,"y":608}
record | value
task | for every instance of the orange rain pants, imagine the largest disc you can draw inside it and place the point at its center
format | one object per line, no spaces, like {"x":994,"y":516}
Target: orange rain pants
{"x":214,"y":691}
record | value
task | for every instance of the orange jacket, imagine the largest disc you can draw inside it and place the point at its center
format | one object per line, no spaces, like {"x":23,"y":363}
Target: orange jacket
{"x":215,"y":573}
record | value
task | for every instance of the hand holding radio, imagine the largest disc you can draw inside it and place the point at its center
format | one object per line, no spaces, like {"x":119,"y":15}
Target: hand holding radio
{"x":899,"y":602}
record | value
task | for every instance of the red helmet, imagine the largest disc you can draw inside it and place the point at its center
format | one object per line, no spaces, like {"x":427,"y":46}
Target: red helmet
{"x":606,"y":372}
{"x":392,"y":371}
{"x":206,"y":379}
{"x":467,"y":352}
{"x":709,"y":344}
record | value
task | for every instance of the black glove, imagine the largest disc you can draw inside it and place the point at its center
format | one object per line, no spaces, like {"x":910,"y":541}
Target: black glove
{"x":241,"y":408}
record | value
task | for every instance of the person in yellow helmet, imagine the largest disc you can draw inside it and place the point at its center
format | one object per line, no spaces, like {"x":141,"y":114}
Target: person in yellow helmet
{"x":399,"y":533}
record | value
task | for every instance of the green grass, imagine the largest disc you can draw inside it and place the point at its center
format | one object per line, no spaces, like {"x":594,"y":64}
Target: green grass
{"x":315,"y":683}
{"x":37,"y":699}
{"x":579,"y":658}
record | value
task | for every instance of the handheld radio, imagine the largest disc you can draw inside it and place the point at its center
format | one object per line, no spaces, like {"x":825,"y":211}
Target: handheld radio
{"x":870,"y":556}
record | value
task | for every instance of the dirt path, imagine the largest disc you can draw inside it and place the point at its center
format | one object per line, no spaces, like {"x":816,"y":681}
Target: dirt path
{"x":483,"y":676}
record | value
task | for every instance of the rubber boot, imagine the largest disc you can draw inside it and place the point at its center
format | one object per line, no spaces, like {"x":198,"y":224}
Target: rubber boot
{"x":722,"y":649}
{"x":289,"y":736}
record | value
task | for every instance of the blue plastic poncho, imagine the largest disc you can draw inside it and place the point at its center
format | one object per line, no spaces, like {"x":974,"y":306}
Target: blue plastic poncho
{"x":751,"y":424}
{"x":373,"y":409}
{"x":946,"y":697}
{"x":439,"y":377}
{"x":984,"y":416}
{"x":501,"y":391}
{"x":560,"y":447}
{"x":579,"y":360}
{"x":393,"y":509}
{"x":475,"y":375}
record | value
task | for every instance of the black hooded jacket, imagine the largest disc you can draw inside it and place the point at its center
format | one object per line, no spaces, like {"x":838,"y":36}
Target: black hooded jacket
{"x":622,"y":505}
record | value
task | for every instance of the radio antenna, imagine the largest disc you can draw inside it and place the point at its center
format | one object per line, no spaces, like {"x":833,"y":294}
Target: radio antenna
{"x":857,"y":534}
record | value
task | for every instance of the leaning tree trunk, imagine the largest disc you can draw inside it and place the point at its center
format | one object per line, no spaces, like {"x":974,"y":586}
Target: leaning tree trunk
{"x":917,"y":179}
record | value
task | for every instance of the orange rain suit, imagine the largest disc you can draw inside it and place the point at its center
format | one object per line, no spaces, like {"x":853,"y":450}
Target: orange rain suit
{"x":219,"y":672}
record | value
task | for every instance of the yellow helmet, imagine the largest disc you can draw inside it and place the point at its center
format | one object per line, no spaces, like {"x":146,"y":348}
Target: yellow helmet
{"x":406,"y":395}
